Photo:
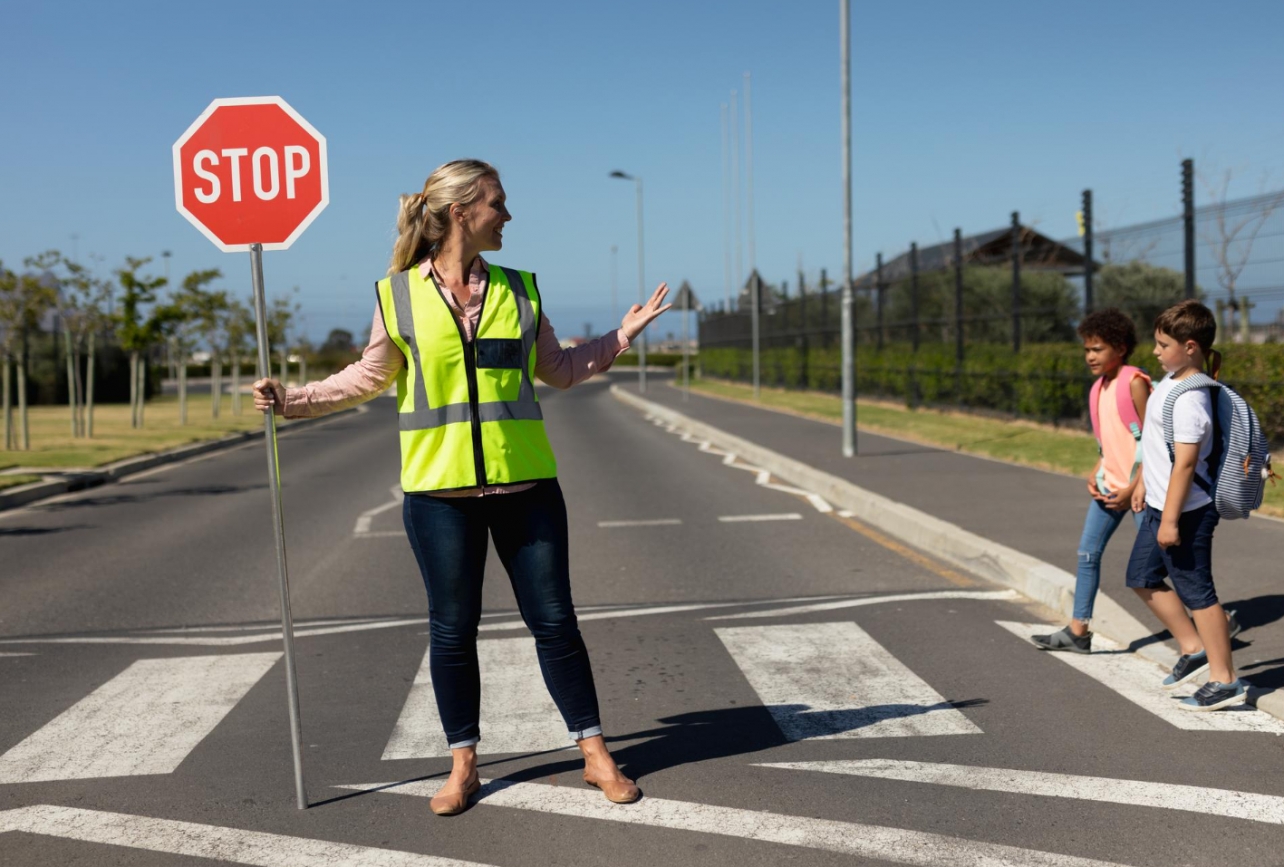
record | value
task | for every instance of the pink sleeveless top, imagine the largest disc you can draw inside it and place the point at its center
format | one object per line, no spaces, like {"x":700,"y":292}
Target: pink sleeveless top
{"x":1118,"y":445}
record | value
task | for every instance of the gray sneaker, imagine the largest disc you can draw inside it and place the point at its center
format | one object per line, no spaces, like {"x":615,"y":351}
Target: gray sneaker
{"x":1215,"y":696}
{"x":1188,"y":667}
{"x":1064,"y":640}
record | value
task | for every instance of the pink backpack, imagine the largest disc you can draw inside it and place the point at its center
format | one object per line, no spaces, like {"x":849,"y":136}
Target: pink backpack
{"x":1127,"y":412}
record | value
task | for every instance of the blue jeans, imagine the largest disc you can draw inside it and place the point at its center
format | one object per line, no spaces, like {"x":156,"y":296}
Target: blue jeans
{"x":1099,"y":525}
{"x":449,"y":538}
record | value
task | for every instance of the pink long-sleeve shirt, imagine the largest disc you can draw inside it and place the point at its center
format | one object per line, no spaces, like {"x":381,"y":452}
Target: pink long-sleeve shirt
{"x":382,"y":361}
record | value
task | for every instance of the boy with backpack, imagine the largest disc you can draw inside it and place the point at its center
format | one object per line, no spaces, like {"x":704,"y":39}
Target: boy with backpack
{"x":1117,"y":405}
{"x":1203,"y":458}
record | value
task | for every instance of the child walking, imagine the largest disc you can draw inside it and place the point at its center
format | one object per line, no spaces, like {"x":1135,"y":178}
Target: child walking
{"x":1117,"y":405}
{"x":1175,"y":539}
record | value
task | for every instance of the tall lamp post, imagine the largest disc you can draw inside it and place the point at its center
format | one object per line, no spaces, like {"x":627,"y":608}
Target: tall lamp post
{"x":641,"y":278}
{"x":848,"y":330}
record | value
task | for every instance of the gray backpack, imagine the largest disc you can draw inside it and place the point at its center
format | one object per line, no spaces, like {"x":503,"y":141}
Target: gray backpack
{"x":1239,"y":462}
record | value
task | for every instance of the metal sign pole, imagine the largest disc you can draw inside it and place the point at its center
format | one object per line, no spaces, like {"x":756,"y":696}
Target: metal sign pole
{"x":274,"y":477}
{"x":686,"y":347}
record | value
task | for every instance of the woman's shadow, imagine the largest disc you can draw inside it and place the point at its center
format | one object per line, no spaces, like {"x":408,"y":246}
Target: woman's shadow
{"x":714,"y":734}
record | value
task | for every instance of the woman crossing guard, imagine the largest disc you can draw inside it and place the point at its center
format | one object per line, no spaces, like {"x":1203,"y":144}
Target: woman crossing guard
{"x":464,"y":340}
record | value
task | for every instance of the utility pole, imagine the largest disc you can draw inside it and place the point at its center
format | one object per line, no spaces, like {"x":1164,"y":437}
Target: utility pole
{"x":753,"y":261}
{"x":1087,"y":251}
{"x":1188,"y":221}
{"x":726,"y":214}
{"x":1016,"y":282}
{"x":848,"y":333}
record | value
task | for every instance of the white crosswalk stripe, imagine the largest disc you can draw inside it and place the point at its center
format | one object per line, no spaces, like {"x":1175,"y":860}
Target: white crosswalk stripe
{"x":1168,"y":796}
{"x":143,"y":721}
{"x":1137,"y":680}
{"x":832,"y":680}
{"x":873,"y":842}
{"x":517,"y":713}
{"x":193,"y":840}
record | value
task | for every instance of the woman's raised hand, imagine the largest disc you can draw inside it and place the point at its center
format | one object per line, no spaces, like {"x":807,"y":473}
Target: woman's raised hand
{"x":640,"y":315}
{"x":269,"y":394}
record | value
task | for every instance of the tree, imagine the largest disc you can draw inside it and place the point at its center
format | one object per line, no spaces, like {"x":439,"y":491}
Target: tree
{"x":84,"y":314}
{"x":1049,"y":306}
{"x":238,"y":326}
{"x":192,"y":313}
{"x":279,"y":319}
{"x":1231,"y":237}
{"x":23,"y":299}
{"x":1141,"y":290}
{"x":136,"y":332}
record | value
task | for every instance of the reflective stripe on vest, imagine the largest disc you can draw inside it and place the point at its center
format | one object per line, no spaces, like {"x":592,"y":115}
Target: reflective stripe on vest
{"x":467,"y":412}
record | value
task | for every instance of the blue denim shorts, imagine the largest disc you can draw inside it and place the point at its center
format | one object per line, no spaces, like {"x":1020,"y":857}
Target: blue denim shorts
{"x":1189,"y":564}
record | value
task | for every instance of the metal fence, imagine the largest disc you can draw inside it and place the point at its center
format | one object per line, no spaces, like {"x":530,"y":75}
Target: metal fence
{"x":988,"y":320}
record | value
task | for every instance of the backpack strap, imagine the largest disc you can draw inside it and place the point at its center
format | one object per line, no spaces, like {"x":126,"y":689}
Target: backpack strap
{"x":1094,"y":395}
{"x":1123,"y":398}
{"x":1194,"y":381}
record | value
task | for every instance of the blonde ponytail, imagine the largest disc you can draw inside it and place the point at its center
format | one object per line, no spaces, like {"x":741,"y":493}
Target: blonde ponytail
{"x":423,"y":219}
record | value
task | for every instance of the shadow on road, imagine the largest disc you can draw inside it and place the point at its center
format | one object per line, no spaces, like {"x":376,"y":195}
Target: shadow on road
{"x":39,"y":531}
{"x":132,"y":499}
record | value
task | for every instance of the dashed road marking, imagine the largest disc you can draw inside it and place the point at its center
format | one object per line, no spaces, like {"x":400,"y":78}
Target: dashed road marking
{"x":736,"y":519}
{"x":871,"y":600}
{"x":651,"y":522}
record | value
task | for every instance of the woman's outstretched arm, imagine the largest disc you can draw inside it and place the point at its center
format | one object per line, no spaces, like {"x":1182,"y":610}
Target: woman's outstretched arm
{"x":563,"y":368}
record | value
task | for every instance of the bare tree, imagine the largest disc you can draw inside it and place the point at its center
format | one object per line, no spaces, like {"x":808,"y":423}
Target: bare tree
{"x":1231,"y":238}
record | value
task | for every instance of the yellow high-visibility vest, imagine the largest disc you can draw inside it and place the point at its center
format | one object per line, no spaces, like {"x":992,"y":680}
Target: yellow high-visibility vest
{"x":468,"y":411}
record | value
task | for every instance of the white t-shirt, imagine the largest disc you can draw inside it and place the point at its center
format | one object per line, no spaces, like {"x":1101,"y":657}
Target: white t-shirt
{"x":1192,"y":423}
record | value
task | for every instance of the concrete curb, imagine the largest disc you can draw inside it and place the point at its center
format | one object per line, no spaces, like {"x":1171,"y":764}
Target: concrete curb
{"x":77,"y":481}
{"x":1033,"y":578}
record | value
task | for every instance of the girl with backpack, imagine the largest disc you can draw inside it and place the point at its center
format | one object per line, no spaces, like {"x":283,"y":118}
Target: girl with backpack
{"x":1117,"y":404}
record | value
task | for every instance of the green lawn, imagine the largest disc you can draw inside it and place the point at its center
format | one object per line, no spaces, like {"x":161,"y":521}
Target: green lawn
{"x":52,"y":446}
{"x":1020,"y":442}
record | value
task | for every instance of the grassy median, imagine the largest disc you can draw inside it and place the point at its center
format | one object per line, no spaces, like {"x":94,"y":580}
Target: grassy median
{"x":1020,"y":442}
{"x":53,"y":448}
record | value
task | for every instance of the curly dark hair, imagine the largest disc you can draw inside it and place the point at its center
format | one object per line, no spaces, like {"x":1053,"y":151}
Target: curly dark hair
{"x":1112,"y":326}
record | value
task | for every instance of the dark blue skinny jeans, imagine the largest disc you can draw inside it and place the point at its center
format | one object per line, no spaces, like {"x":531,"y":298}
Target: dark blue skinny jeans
{"x":449,"y":538}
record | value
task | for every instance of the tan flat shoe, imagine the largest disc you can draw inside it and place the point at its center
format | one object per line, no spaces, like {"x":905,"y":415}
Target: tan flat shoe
{"x":455,"y":803}
{"x":616,"y":791}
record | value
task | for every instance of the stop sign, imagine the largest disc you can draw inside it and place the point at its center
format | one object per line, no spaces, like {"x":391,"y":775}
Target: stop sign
{"x":250,"y":170}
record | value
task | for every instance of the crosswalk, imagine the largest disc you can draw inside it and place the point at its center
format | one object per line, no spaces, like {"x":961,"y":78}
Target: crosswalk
{"x":816,"y":680}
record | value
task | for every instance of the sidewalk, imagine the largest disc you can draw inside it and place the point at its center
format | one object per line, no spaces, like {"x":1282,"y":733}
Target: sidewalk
{"x":1034,"y":512}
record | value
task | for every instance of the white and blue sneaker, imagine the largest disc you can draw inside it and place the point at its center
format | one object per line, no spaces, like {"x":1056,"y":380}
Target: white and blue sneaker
{"x":1188,"y":667}
{"x":1215,"y":696}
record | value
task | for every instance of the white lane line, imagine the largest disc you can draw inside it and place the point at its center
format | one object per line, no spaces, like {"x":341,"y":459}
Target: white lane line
{"x":872,"y":600}
{"x":832,"y":680}
{"x":873,"y":842}
{"x":216,"y":641}
{"x":143,"y":721}
{"x":517,"y":714}
{"x":260,"y":627}
{"x":735,"y":519}
{"x":1137,"y":680}
{"x":649,"y":609}
{"x":362,"y":527}
{"x":1167,"y":796}
{"x":17,"y":654}
{"x":380,"y":534}
{"x":653,"y":522}
{"x":206,"y":841}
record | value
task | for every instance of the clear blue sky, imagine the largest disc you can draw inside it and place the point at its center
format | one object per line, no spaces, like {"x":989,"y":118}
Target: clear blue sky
{"x":963,"y":112}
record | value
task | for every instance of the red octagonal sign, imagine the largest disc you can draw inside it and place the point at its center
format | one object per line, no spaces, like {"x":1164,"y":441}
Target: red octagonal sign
{"x":251,"y":171}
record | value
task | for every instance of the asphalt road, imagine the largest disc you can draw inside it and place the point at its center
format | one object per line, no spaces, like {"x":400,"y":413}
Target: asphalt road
{"x":854,"y":702}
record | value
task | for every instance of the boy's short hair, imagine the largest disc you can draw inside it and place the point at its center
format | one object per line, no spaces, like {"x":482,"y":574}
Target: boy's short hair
{"x":1113,"y":326}
{"x":1189,"y":320}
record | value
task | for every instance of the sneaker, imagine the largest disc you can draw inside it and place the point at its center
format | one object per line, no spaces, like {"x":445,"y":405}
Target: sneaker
{"x":1187,"y":668}
{"x":1215,"y":696}
{"x":1064,"y":639}
{"x":1232,"y":623}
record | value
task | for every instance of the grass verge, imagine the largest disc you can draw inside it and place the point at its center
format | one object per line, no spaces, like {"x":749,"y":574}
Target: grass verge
{"x":1019,"y":442}
{"x":52,"y":446}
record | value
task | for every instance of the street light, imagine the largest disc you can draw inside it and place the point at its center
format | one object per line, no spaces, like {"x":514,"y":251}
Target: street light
{"x":624,"y":176}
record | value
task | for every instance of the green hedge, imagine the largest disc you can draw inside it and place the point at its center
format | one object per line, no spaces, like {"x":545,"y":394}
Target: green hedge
{"x":1045,"y":381}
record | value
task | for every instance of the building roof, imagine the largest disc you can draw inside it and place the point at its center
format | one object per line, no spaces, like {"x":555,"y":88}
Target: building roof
{"x":1041,"y":253}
